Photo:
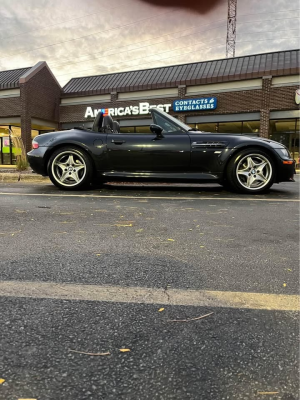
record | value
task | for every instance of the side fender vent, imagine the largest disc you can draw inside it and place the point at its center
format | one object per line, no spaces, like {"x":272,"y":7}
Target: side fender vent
{"x":209,"y":144}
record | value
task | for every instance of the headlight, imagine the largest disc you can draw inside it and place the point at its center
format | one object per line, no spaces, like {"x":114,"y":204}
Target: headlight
{"x":283,"y":152}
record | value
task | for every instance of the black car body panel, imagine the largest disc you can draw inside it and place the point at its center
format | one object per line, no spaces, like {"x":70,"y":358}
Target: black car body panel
{"x":180,"y":155}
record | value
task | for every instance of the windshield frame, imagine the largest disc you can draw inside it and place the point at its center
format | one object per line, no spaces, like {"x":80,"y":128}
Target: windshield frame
{"x":174,"y":120}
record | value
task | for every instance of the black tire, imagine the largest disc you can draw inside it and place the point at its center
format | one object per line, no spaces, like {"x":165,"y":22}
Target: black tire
{"x":65,"y":171}
{"x":239,"y":182}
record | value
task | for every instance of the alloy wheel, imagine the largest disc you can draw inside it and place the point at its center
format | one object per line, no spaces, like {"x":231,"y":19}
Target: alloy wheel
{"x":254,"y":171}
{"x":68,"y":168}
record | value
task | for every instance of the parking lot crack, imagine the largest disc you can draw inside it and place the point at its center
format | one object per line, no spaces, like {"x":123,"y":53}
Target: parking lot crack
{"x":165,"y":289}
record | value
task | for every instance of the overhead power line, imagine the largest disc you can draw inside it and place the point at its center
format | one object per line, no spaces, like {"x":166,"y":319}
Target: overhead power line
{"x":151,"y":55}
{"x":285,"y":30}
{"x":157,"y":54}
{"x":265,"y":40}
{"x":121,"y":26}
{"x":22,"y":33}
{"x":59,"y":23}
{"x":267,"y":12}
{"x":266,"y":20}
{"x":138,"y":48}
{"x":181,"y":54}
{"x":91,"y":34}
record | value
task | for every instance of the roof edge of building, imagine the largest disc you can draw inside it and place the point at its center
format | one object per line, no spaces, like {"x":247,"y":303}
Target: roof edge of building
{"x":34,"y":70}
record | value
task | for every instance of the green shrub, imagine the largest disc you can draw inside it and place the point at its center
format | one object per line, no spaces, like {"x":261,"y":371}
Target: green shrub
{"x":21,"y":159}
{"x":22,"y":164}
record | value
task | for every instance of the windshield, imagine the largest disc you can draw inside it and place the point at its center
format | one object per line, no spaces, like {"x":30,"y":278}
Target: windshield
{"x":176,"y":121}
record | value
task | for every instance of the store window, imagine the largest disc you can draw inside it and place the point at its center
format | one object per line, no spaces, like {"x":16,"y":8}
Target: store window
{"x":142,"y":129}
{"x":135,"y":129}
{"x":34,"y":133}
{"x":11,"y":143}
{"x":231,"y":127}
{"x":244,"y":127}
{"x":286,"y":131}
{"x":5,"y":146}
{"x":251,"y":127}
{"x":127,"y":129}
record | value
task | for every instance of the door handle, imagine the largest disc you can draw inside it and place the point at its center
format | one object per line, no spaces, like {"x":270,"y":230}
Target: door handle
{"x":118,"y":141}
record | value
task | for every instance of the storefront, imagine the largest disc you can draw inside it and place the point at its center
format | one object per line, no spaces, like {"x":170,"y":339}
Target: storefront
{"x":29,"y":106}
{"x":11,"y":144}
{"x":252,"y":95}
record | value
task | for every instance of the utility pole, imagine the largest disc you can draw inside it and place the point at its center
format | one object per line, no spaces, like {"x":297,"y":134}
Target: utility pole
{"x":231,"y":28}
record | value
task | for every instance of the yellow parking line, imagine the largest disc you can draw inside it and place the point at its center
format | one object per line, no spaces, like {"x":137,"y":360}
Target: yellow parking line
{"x":144,"y":295}
{"x":150,"y":197}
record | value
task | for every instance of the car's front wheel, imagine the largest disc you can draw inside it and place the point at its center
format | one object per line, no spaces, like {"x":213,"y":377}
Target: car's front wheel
{"x":70,"y":168}
{"x":251,"y":171}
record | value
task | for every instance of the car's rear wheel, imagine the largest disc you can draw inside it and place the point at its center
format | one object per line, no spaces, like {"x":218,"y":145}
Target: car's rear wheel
{"x":70,"y":168}
{"x":251,"y":171}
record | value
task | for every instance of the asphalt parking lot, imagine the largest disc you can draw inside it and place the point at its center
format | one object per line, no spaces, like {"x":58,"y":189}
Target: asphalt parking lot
{"x":132,"y":267}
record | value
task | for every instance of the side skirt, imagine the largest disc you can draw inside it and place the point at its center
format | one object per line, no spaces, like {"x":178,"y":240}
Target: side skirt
{"x":193,"y":177}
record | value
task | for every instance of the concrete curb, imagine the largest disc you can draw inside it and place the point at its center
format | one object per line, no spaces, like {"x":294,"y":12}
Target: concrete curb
{"x":19,"y":177}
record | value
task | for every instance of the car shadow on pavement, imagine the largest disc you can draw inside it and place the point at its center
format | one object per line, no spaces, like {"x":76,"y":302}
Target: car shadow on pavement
{"x":187,"y":188}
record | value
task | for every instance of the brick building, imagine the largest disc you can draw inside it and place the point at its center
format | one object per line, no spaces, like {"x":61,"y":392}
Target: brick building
{"x":251,"y":95}
{"x":29,"y":106}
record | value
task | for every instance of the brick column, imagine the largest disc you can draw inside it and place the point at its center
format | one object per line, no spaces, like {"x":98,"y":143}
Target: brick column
{"x":25,"y":119}
{"x":181,"y":95}
{"x":114,"y":98}
{"x":265,"y":107}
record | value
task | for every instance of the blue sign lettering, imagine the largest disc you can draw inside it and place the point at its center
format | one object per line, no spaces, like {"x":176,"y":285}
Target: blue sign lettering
{"x":206,"y":103}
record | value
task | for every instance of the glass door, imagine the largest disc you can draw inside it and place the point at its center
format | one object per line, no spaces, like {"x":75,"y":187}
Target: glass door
{"x":5,"y":146}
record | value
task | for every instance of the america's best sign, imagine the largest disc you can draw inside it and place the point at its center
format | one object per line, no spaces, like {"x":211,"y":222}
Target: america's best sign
{"x":141,"y":109}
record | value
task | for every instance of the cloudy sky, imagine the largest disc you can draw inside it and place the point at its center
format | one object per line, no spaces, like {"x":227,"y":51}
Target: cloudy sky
{"x":90,"y":37}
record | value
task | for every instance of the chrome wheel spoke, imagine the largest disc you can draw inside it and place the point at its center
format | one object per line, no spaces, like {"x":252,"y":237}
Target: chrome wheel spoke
{"x":261,"y":177}
{"x":261,"y":166}
{"x":244,"y":173}
{"x":78,"y":167}
{"x":62,"y":166}
{"x":64,"y":176}
{"x":75,"y":176}
{"x":250,"y":180}
{"x":250,"y":163}
{"x":70,"y":160}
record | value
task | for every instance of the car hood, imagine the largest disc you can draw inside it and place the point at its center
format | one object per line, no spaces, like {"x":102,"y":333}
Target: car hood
{"x":237,"y":138}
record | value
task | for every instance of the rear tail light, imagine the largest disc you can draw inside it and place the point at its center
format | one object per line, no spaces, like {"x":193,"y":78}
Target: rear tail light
{"x":35,"y":145}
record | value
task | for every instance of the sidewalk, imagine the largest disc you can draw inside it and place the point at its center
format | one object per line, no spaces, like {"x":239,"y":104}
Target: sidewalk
{"x":12,"y":175}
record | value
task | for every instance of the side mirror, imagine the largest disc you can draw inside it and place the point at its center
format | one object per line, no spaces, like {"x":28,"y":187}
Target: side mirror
{"x":157,"y":130}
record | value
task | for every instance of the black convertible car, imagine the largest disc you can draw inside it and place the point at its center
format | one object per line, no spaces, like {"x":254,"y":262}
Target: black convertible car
{"x":172,"y":152}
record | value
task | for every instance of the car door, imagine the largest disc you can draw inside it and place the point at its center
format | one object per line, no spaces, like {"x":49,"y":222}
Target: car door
{"x":145,"y":152}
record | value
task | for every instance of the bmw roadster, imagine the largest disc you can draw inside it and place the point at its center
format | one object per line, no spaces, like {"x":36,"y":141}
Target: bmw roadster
{"x":171,"y":152}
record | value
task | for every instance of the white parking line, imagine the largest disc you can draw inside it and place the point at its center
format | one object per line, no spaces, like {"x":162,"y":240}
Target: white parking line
{"x":150,"y":197}
{"x":144,"y":295}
